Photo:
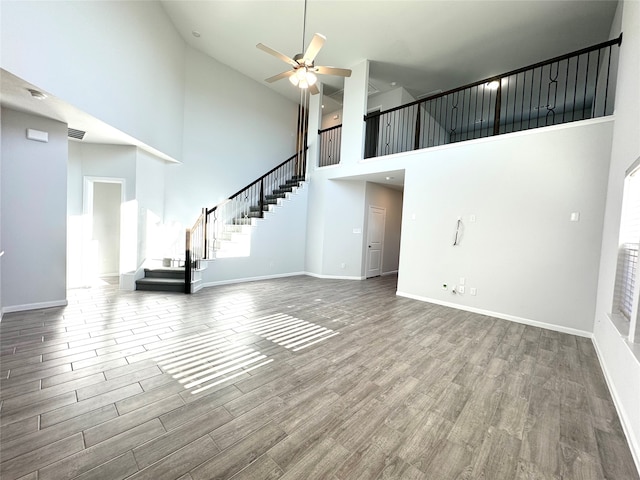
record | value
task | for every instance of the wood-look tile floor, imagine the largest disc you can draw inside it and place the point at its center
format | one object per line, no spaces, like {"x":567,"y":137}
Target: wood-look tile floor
{"x":298,"y":378}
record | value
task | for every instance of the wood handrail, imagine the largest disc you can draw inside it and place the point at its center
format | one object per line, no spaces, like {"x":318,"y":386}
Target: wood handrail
{"x":213,"y":209}
{"x":322,"y":130}
{"x":615,"y":41}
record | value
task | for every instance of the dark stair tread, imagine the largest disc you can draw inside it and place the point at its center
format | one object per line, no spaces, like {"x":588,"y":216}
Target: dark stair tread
{"x":165,"y":269}
{"x":156,"y":281}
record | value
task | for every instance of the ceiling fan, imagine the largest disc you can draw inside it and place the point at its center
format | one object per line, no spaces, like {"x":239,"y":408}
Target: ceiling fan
{"x":303,"y":70}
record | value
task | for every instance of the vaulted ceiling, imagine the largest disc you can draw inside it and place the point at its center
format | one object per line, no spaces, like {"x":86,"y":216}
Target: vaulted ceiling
{"x":421,"y":45}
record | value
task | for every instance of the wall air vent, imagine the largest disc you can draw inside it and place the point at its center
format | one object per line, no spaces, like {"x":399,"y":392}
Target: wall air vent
{"x":73,"y":133}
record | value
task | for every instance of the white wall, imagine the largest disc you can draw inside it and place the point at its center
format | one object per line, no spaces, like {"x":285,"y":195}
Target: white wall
{"x":34,"y":207}
{"x":107,"y":162}
{"x":524,"y":256}
{"x":391,"y":200}
{"x":353,"y":110}
{"x":277,"y":246}
{"x":122,"y":62}
{"x":344,"y":221}
{"x":154,"y":237}
{"x":331,"y":119}
{"x":621,"y":366}
{"x":235,"y":130}
{"x":391,"y":99}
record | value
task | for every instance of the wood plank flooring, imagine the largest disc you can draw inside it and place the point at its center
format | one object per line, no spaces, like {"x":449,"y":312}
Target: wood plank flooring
{"x":297,"y":378}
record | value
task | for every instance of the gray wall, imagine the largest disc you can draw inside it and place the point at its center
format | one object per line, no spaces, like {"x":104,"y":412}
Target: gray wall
{"x":34,"y":193}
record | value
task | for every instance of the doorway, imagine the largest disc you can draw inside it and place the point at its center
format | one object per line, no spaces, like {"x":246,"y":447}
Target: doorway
{"x":375,"y":240}
{"x":103,"y":199}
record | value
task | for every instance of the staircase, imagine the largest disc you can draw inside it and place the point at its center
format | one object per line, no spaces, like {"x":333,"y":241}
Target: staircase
{"x":234,"y":237}
{"x":162,"y":280}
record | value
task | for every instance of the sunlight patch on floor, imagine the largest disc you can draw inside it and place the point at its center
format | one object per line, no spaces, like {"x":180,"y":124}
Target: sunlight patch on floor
{"x":287,"y":331}
{"x":204,"y":361}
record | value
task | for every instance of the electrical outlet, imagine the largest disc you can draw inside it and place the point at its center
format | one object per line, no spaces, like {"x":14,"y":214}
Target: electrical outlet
{"x":342,"y":265}
{"x":473,"y":291}
{"x":460,"y":288}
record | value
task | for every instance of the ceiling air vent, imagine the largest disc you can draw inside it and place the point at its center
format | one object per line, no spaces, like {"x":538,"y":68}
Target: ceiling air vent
{"x":73,"y":133}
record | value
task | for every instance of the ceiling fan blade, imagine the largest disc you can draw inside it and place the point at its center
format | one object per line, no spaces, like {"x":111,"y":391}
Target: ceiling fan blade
{"x":277,"y":54}
{"x":313,"y":89}
{"x":341,"y":72}
{"x":314,"y":47}
{"x":279,"y":76}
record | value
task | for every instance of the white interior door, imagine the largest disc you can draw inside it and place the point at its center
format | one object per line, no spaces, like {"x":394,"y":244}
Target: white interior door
{"x":106,"y":226}
{"x":375,"y":240}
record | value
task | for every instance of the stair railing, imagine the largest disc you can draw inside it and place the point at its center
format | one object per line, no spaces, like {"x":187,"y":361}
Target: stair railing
{"x":247,"y":203}
{"x":195,"y":247}
{"x":252,"y":200}
{"x":330,"y":139}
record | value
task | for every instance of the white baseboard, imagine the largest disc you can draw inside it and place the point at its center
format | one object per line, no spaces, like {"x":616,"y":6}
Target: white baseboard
{"x":128,"y":280}
{"x":503,"y":316}
{"x":634,"y":443}
{"x":34,"y":306}
{"x":392,"y":272}
{"x":334,"y":277}
{"x":250,"y":279}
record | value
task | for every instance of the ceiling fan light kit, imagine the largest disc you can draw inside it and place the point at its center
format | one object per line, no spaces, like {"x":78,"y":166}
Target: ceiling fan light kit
{"x":304,"y":72}
{"x":303,"y":78}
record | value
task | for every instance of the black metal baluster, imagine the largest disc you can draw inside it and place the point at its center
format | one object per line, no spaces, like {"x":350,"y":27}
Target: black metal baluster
{"x":586,"y":80}
{"x":553,"y":83}
{"x":607,"y":86}
{"x":496,"y":115}
{"x":594,"y":105}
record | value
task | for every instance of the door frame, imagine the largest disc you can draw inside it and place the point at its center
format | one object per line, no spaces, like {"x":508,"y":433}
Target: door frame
{"x":88,"y":183}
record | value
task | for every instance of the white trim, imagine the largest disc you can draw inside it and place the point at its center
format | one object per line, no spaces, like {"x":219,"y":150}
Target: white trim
{"x":503,"y":316}
{"x":128,"y":279}
{"x":392,"y":272}
{"x":34,"y":306}
{"x":634,"y":443}
{"x":250,"y":279}
{"x":335,"y":277}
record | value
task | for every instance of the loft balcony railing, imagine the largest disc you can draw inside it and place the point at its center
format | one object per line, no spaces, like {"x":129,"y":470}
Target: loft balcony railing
{"x":330,"y":139}
{"x":575,"y":86}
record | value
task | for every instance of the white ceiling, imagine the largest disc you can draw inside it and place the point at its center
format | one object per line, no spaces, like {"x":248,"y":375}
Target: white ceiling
{"x":421,"y":45}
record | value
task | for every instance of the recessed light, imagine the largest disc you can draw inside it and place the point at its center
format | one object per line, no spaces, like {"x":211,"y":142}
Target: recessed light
{"x":393,"y":84}
{"x":36,"y":94}
{"x":493,"y":85}
{"x":195,"y":33}
{"x":389,"y":178}
{"x":322,"y":106}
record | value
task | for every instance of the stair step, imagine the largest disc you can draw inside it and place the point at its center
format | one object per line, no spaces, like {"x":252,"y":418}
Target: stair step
{"x":160,"y":284}
{"x":167,"y":272}
{"x":283,"y":189}
{"x":243,"y":221}
{"x":274,"y":196}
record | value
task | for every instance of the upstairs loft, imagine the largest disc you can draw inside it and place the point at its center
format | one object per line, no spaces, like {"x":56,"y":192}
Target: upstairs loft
{"x":576,"y":86}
